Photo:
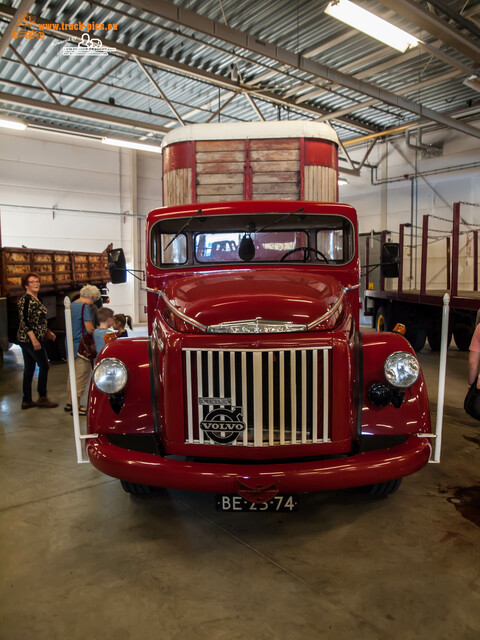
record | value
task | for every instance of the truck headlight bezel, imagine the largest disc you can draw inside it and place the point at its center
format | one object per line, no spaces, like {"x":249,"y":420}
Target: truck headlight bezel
{"x":401,"y":369}
{"x":110,"y":376}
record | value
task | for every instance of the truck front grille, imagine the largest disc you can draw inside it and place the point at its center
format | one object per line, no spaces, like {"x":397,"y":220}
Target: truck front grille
{"x":257,"y":398}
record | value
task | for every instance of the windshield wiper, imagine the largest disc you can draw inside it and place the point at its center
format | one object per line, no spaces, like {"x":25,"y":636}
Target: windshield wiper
{"x":287,"y":215}
{"x":183,"y":228}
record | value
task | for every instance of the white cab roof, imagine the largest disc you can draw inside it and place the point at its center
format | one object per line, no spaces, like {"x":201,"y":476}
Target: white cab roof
{"x":248,"y":130}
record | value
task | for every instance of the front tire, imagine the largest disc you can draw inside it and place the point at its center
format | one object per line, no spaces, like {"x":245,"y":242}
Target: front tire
{"x":382,"y":489}
{"x":136,"y":489}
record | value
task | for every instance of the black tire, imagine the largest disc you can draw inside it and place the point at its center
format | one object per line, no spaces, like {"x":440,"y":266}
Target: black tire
{"x":434,"y":336}
{"x":417,"y":336}
{"x":382,"y":489}
{"x":381,"y":320}
{"x":463,"y":336}
{"x":136,"y":489}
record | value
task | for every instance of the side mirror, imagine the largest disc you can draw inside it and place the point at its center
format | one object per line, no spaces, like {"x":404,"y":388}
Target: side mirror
{"x":390,"y":260}
{"x":117,"y":266}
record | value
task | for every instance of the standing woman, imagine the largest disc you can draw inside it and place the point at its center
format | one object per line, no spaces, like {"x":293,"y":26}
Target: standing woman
{"x":83,"y":321}
{"x":32,"y":331}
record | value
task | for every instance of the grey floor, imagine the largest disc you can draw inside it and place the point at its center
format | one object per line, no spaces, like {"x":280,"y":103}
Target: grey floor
{"x":81,"y":559}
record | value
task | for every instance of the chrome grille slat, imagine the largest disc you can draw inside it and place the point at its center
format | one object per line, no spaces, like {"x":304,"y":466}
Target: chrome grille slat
{"x":282,"y":394}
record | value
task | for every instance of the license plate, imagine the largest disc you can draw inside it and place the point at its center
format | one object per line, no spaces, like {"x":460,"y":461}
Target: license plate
{"x":237,"y":503}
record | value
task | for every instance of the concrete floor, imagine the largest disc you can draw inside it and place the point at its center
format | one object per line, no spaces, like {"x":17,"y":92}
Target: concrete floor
{"x":82,"y":559}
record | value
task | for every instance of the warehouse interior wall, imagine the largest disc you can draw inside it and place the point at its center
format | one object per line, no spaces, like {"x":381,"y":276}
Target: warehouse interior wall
{"x":60,"y":192}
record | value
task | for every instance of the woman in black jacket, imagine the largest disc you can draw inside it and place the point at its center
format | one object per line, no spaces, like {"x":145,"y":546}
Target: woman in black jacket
{"x":32,"y":331}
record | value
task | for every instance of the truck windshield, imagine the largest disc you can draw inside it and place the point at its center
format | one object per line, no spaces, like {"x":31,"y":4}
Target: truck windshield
{"x":313,"y":238}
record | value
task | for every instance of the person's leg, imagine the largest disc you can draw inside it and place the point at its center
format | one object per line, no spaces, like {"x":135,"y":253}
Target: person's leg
{"x":28,"y":371}
{"x":82,"y":374}
{"x":43,"y":367}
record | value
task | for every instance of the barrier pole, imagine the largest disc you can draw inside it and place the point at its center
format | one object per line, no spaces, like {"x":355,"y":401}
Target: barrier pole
{"x":441,"y":379}
{"x":73,"y":382}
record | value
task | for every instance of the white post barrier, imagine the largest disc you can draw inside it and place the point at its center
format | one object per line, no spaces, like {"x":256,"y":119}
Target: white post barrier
{"x":441,"y":379}
{"x":73,"y":382}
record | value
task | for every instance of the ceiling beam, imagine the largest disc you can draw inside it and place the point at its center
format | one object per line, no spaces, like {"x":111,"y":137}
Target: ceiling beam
{"x":81,"y":113}
{"x":238,"y":38}
{"x":426,"y":20}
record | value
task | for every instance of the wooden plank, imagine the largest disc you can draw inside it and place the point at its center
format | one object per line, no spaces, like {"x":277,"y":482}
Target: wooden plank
{"x":288,"y":176}
{"x":220,"y":178}
{"x":217,"y":189}
{"x":320,"y":184}
{"x":220,"y":145}
{"x":177,"y":187}
{"x":274,"y":167}
{"x":217,"y":198}
{"x":282,"y":143}
{"x":269,"y":196}
{"x":268,"y":155}
{"x":273,"y":188}
{"x":220,"y":167}
{"x":220,"y":156}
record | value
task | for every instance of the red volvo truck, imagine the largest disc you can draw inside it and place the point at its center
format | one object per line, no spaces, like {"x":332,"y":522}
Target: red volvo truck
{"x":255,"y":382}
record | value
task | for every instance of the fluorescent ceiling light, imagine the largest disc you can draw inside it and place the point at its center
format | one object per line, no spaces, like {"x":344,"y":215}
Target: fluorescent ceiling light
{"x":12,"y":124}
{"x":372,"y":25}
{"x":342,"y":181}
{"x":117,"y":142}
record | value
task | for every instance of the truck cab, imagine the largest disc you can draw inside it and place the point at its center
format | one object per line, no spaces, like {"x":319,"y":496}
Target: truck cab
{"x":255,"y":380}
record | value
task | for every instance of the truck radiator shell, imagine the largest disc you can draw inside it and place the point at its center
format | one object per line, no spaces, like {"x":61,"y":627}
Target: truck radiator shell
{"x":281,"y":396}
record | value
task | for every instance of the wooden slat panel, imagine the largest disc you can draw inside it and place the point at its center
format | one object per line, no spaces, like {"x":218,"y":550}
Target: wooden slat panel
{"x":220,"y":156}
{"x":269,"y":196}
{"x":272,"y":167}
{"x":287,"y":176}
{"x":269,"y":155}
{"x":320,"y":184}
{"x":217,"y":189}
{"x":218,"y":198}
{"x":220,"y":178}
{"x":285,"y":143}
{"x":177,"y":186}
{"x":220,"y":145}
{"x":272,"y":188}
{"x":220,"y":167}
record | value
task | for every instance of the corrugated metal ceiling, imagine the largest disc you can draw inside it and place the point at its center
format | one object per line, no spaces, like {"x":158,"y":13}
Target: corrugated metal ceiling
{"x":280,"y":59}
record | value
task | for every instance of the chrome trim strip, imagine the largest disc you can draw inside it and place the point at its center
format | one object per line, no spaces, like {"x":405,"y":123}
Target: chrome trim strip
{"x":325,"y":395}
{"x":328,"y":314}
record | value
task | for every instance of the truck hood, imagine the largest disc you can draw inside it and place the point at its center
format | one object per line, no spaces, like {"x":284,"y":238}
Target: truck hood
{"x":268,"y":294}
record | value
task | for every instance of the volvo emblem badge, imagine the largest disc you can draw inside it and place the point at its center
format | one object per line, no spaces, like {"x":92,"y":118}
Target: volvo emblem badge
{"x":223,"y":426}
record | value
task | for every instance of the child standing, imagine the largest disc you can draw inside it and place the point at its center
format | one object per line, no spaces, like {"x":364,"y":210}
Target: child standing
{"x":119,"y":322}
{"x":105,"y":319}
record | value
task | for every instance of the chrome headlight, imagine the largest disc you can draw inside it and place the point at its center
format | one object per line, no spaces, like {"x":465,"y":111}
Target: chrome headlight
{"x":110,"y":375}
{"x":401,"y":369}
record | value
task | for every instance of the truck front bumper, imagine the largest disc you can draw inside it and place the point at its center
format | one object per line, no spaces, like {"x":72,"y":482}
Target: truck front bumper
{"x":284,"y":477}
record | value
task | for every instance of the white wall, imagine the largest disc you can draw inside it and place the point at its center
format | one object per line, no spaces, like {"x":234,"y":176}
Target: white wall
{"x":39,"y":170}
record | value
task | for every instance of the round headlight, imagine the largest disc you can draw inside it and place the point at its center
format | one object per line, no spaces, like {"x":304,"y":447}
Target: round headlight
{"x":110,"y":375}
{"x":401,"y":369}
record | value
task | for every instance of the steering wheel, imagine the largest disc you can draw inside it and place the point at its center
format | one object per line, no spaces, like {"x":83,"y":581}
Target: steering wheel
{"x":305,"y":249}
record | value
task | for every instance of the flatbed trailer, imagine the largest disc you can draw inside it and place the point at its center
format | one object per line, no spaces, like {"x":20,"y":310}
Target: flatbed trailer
{"x":420,"y":309}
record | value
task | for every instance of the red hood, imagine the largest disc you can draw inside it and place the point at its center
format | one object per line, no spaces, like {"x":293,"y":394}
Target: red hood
{"x":269,"y":294}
